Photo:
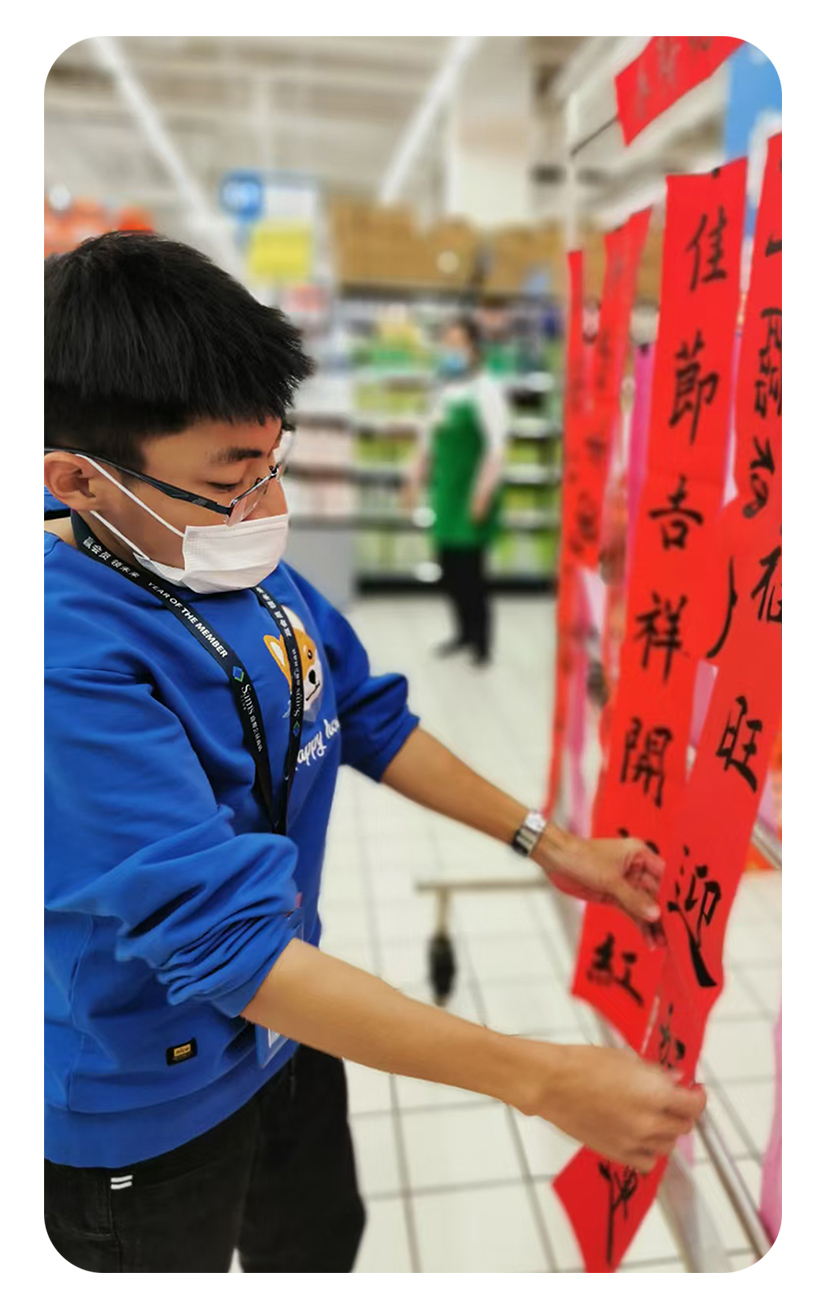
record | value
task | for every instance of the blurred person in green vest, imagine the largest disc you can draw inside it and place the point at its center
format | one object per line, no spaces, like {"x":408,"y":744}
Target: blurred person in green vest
{"x":460,"y":457}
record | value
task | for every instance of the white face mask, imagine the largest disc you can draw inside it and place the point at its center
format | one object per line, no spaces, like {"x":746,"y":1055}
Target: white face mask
{"x":216,"y":557}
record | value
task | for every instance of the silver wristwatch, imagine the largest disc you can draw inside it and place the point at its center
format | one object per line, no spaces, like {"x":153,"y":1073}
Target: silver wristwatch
{"x":529,"y":834}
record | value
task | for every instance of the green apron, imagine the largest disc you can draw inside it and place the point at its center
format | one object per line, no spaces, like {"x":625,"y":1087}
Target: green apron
{"x":458,"y":448}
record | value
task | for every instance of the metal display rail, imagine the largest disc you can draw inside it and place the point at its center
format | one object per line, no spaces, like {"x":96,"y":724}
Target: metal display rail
{"x":690,"y":1219}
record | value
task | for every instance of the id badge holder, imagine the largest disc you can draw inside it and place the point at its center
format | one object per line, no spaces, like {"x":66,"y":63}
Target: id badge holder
{"x":268,"y":1041}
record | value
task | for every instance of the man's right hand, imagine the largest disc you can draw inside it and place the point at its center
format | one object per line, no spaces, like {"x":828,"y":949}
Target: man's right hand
{"x":607,"y":1098}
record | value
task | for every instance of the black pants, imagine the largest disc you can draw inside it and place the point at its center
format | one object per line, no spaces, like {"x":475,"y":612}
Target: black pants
{"x":466,"y":585}
{"x":276,"y":1180}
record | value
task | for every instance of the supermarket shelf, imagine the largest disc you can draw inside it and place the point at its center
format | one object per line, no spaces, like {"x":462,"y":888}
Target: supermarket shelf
{"x":329,"y":419}
{"x":543,"y":430}
{"x":401,"y":292}
{"x":365,"y":421}
{"x":535,"y":381}
{"x":516,"y":476}
{"x":529,"y":522}
{"x":393,"y":426}
{"x":393,"y":375}
{"x":535,"y":475}
{"x":500,"y":584}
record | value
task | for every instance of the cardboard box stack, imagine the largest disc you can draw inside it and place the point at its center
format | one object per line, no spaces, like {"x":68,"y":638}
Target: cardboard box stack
{"x":376,"y":245}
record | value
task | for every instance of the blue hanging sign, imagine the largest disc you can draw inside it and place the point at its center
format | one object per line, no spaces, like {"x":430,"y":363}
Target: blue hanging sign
{"x":242,"y":194}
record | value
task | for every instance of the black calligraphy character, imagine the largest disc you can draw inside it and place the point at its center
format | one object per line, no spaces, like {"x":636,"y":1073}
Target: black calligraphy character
{"x":601,"y":971}
{"x":676,"y":528}
{"x":729,"y":743}
{"x":760,"y":486}
{"x":773,"y":246}
{"x":632,"y":736}
{"x":669,"y":1045}
{"x":596,"y":448}
{"x":706,"y":902}
{"x":648,"y":766}
{"x":621,"y":1188}
{"x":690,"y":391}
{"x":766,"y":588}
{"x":716,"y":252}
{"x":586,"y":518}
{"x":768,"y":384}
{"x":733,"y":600}
{"x":603,"y":360}
{"x":629,"y":962}
{"x":666,"y":638}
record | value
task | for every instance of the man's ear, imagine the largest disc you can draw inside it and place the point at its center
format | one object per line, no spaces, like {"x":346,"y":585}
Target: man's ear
{"x":72,"y":480}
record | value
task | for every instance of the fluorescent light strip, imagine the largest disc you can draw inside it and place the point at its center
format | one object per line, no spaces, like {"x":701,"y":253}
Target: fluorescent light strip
{"x":418,"y":127}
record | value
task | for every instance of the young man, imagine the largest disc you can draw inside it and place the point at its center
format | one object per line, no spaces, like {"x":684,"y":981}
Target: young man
{"x":189,"y":674}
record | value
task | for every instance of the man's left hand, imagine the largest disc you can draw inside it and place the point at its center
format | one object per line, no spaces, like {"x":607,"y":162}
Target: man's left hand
{"x":621,"y":871}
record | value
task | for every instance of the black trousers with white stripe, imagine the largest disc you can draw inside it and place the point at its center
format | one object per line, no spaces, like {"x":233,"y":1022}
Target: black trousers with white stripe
{"x":276,"y":1181}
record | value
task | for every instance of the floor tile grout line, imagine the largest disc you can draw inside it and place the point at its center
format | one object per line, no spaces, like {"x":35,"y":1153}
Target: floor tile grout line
{"x":519,"y":1151}
{"x":400,"y":1152}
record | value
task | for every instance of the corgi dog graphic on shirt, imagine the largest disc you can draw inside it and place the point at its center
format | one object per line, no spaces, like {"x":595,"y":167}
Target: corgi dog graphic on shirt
{"x":310,"y":660}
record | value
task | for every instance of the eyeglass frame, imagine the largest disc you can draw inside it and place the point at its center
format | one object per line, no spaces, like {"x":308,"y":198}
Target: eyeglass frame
{"x":193,"y":498}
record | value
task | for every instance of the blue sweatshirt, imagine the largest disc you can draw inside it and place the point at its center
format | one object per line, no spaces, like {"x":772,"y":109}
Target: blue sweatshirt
{"x":168,"y":897}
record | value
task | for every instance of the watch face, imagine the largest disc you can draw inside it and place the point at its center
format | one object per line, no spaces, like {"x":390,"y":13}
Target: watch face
{"x":535,"y":821}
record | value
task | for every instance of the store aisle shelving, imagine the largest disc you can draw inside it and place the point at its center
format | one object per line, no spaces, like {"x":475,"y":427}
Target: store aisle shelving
{"x":455,"y":1182}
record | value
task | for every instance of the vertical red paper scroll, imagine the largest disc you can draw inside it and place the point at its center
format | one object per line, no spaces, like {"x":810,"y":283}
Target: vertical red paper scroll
{"x":668,"y":67}
{"x":758,"y":402}
{"x":708,"y":839}
{"x":623,"y":250}
{"x":592,"y":406}
{"x":668,"y":594}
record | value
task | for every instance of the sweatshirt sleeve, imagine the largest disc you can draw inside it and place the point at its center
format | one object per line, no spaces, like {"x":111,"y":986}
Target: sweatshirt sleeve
{"x":375,"y":718}
{"x":143,"y":842}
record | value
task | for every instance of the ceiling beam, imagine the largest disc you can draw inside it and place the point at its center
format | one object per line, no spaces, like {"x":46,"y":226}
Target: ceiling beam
{"x":458,"y":54}
{"x":369,"y":79}
{"x":204,"y":217}
{"x":96,"y":107}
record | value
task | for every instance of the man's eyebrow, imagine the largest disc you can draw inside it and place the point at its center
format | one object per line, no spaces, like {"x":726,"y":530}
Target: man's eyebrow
{"x":230,"y":455}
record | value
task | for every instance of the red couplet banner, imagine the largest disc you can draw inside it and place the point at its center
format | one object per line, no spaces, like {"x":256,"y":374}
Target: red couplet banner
{"x":623,"y":250}
{"x":674,"y":540}
{"x":705,"y":840}
{"x":668,"y":67}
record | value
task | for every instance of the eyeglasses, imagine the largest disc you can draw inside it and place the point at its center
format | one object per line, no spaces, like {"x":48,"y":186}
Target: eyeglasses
{"x":240,"y":508}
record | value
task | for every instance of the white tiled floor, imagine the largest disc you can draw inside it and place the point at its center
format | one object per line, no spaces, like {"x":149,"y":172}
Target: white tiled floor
{"x":455,"y":1182}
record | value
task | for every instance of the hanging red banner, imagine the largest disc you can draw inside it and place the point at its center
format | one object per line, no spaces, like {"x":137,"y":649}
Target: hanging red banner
{"x":668,"y":67}
{"x":604,"y":1202}
{"x":707,"y":838}
{"x":623,"y":250}
{"x":669,"y":579}
{"x":758,"y":401}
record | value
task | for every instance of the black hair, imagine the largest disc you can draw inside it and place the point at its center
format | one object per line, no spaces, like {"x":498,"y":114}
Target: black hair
{"x":145,"y":336}
{"x":472,"y":330}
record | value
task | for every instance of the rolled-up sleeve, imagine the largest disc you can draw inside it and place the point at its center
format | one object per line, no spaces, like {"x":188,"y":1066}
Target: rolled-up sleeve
{"x":375,"y":718}
{"x":142,"y":841}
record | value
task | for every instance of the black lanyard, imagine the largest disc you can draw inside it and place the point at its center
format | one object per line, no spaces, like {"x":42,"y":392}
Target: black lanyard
{"x":244,"y":695}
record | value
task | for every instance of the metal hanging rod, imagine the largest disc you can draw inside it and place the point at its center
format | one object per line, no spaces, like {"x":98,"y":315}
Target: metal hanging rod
{"x":593,"y":136}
